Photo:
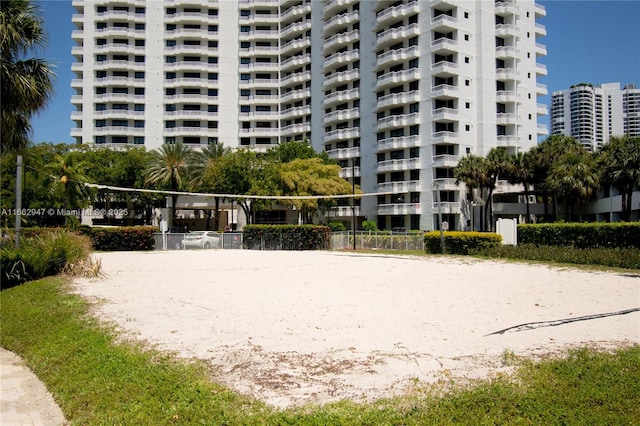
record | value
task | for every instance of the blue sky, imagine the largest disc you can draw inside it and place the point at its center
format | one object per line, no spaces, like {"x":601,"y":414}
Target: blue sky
{"x":587,"y":42}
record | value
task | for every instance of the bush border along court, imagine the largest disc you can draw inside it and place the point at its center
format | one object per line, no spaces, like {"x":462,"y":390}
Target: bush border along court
{"x":581,"y":235}
{"x":456,"y":242}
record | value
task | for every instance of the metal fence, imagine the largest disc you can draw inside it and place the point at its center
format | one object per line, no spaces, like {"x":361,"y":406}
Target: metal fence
{"x":339,"y":241}
{"x":176,"y":241}
{"x":377,"y":241}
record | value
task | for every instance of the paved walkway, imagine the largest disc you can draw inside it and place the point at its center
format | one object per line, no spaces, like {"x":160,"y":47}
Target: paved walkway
{"x":24,"y":400}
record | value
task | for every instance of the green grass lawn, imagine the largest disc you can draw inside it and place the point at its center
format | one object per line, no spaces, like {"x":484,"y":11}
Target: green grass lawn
{"x":100,"y":380}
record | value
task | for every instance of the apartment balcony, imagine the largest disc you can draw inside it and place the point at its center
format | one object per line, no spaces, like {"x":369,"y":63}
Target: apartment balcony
{"x":507,"y":96}
{"x":115,"y":113}
{"x":119,"y":32}
{"x":543,"y":129}
{"x":77,"y":99}
{"x":190,"y":115}
{"x":444,"y":44}
{"x":445,"y":114}
{"x":259,"y":83}
{"x":444,"y":68}
{"x":506,"y":30}
{"x":447,"y":207}
{"x":389,"y":14}
{"x":539,"y":10}
{"x":507,"y":7}
{"x":259,"y":34}
{"x":199,"y":17}
{"x":396,"y":77}
{"x":444,"y":22}
{"x":506,"y":118}
{"x":342,"y":134}
{"x":77,"y":51}
{"x":398,"y":121}
{"x":297,"y":128}
{"x":340,"y":40}
{"x":189,"y":131}
{"x":260,"y":51}
{"x":541,"y":49}
{"x":344,"y":153}
{"x":119,"y":97}
{"x":399,"y":209}
{"x":273,"y":18}
{"x":399,"y":187}
{"x":190,"y":98}
{"x":258,"y":132}
{"x":341,"y":58}
{"x":118,"y":130}
{"x":341,"y":96}
{"x":294,"y":13}
{"x":76,"y":132}
{"x":259,"y":67}
{"x":445,"y":137}
{"x":398,"y":165}
{"x":446,"y":184}
{"x":506,"y":52}
{"x":294,"y":29}
{"x":541,"y":109}
{"x":343,"y":211}
{"x":341,"y":78}
{"x":332,"y":6}
{"x":182,"y":82}
{"x":295,"y":95}
{"x":541,"y":69}
{"x":444,"y":90}
{"x":296,"y":61}
{"x":107,"y":81}
{"x":395,"y":56}
{"x":349,"y":172}
{"x":506,"y":74}
{"x":256,"y":99}
{"x":541,"y":30}
{"x":291,"y":113}
{"x":77,"y":35}
{"x":295,"y":78}
{"x":179,"y":33}
{"x":120,"y":15}
{"x":393,"y":35}
{"x":259,"y":116}
{"x":341,"y":115}
{"x":339,"y":21}
{"x":401,"y":142}
{"x":299,"y":44}
{"x":77,"y":66}
{"x":77,"y":115}
{"x":398,"y":99}
{"x":506,"y":141}
{"x":258,"y":3}
{"x":445,"y":160}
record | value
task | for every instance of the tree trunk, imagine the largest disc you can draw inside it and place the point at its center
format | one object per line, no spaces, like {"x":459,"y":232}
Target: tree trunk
{"x":526,"y":194}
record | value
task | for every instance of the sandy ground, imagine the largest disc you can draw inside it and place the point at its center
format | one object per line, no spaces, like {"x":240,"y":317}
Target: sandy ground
{"x":311,"y":327}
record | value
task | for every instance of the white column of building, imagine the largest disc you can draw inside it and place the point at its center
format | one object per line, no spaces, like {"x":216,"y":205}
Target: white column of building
{"x":228,"y":94}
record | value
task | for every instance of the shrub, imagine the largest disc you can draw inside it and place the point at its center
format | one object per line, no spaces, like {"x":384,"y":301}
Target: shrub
{"x":581,"y":235}
{"x":42,"y":255}
{"x":336,"y":226}
{"x":122,"y":239}
{"x":369,"y":225}
{"x":286,"y":237}
{"x":617,"y":258}
{"x":460,"y":242}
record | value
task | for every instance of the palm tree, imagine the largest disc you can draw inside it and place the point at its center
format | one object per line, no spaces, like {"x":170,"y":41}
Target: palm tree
{"x":497,"y":168}
{"x":204,"y":160}
{"x":521,"y":171}
{"x":168,"y":168}
{"x":620,"y":159}
{"x":26,"y":83}
{"x":576,"y":177}
{"x":70,"y":179}
{"x":472,"y":171}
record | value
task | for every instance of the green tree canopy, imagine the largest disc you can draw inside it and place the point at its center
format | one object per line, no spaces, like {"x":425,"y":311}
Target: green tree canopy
{"x":26,"y":82}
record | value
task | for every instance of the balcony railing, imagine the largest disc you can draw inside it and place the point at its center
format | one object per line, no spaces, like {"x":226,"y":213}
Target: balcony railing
{"x":399,"y":142}
{"x":398,"y":165}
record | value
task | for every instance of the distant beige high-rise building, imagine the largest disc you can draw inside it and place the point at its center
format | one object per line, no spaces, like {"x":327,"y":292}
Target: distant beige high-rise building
{"x":395,"y":91}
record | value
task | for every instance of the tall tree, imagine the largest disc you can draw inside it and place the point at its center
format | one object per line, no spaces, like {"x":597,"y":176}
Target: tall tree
{"x":168,"y":168}
{"x":26,"y":82}
{"x":310,"y":176}
{"x":620,"y":159}
{"x":203,"y":160}
{"x":521,"y":171}
{"x":472,"y":171}
{"x":69,"y":172}
{"x":576,"y":176}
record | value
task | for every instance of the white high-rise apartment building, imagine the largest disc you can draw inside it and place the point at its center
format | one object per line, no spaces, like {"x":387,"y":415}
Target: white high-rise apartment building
{"x":396,"y":91}
{"x":593,"y":114}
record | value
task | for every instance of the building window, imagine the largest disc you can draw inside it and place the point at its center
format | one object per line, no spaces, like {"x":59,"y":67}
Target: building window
{"x":466,"y":15}
{"x":119,"y":139}
{"x":139,"y":27}
{"x":138,"y":140}
{"x":467,"y":128}
{"x":466,"y":59}
{"x":467,"y":105}
{"x":100,"y":139}
{"x":467,"y":82}
{"x":139,"y":74}
{"x":101,"y":123}
{"x":138,"y":123}
{"x":466,"y":37}
{"x":138,"y":107}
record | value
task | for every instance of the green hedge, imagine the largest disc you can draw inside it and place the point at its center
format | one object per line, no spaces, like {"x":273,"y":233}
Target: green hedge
{"x":122,"y":239}
{"x":613,"y":257}
{"x":581,"y":235}
{"x":286,"y":237}
{"x":460,"y":242}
